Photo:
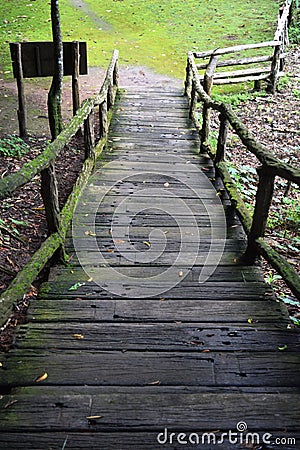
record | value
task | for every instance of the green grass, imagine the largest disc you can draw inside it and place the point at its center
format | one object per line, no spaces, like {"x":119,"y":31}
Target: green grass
{"x":157,"y":34}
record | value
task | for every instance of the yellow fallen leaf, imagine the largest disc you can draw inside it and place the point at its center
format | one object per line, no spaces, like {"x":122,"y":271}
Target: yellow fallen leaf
{"x":90,"y":279}
{"x":90,"y":233}
{"x":1,"y":365}
{"x":78,"y":336}
{"x":250,"y":320}
{"x":147,"y":243}
{"x":42,"y":377}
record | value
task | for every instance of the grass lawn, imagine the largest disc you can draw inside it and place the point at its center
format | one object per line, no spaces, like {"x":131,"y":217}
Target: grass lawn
{"x":157,"y":34}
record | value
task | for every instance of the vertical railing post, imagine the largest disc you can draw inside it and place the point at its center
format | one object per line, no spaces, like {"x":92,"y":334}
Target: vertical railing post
{"x":188,"y":78}
{"x":263,"y":202}
{"x":103,"y":119}
{"x":49,"y":192}
{"x":75,"y":77}
{"x":193,"y":99}
{"x":207,"y":86}
{"x":110,"y":96}
{"x":274,"y":70}
{"x":116,"y":74}
{"x":18,"y":72}
{"x":222,"y":138}
{"x":89,"y":136}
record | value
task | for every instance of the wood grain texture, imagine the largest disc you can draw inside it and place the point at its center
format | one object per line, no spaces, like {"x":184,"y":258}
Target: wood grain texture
{"x":196,"y":357}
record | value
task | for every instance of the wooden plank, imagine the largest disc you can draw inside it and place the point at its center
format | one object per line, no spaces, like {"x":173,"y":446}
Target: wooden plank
{"x":151,"y":408}
{"x":135,"y":368}
{"x":222,"y":273}
{"x":191,"y":289}
{"x":259,"y":337}
{"x":80,"y":309}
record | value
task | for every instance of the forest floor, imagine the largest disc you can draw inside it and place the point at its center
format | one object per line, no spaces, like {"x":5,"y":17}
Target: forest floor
{"x":273,"y":119}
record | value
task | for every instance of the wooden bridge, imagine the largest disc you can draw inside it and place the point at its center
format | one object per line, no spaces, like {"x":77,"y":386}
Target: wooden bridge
{"x":125,"y":346}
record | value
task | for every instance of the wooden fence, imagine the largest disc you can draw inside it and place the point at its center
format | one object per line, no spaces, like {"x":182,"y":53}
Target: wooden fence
{"x":267,"y":67}
{"x":58,"y":221}
{"x":269,"y":169}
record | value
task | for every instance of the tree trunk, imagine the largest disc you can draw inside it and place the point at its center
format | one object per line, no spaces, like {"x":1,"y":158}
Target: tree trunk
{"x":55,"y":93}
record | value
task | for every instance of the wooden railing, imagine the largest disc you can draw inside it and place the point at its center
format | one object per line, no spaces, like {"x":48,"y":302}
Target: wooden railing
{"x":58,"y":221}
{"x":269,"y":169}
{"x":268,"y":67}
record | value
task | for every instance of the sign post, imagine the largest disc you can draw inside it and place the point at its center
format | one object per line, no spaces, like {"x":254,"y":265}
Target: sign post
{"x":35,"y":59}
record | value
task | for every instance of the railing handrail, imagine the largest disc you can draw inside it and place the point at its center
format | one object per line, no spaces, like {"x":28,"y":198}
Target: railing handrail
{"x":104,"y":100}
{"x":235,"y":48}
{"x":271,"y":167}
{"x":10,"y":183}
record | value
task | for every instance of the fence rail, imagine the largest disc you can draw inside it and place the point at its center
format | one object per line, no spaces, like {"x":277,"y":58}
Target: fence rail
{"x":259,"y":67}
{"x":58,"y":221}
{"x":270,"y":168}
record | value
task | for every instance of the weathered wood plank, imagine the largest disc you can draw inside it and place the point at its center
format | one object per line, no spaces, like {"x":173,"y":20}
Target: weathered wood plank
{"x":135,"y":368}
{"x":80,"y":309}
{"x":152,"y":408}
{"x":258,"y":337}
{"x":221,"y":274}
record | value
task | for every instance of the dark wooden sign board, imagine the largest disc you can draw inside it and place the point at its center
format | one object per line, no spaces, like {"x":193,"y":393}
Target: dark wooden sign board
{"x":36,"y":59}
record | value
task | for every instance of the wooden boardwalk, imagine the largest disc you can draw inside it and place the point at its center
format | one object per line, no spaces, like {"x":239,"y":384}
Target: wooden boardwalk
{"x":134,"y":347}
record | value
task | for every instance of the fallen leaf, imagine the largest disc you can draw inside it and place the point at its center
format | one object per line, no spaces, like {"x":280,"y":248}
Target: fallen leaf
{"x":89,"y":233}
{"x":42,"y":377}
{"x":282,"y":348}
{"x":93,"y":417}
{"x":205,"y":351}
{"x":250,"y":320}
{"x":76,"y":286}
{"x":78,"y":336}
{"x":147,"y":243}
{"x":12,"y":402}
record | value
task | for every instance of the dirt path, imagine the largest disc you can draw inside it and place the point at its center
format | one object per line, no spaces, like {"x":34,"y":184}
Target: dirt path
{"x":37,"y":91}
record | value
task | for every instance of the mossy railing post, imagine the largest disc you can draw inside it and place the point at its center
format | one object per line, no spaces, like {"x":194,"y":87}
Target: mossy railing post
{"x":49,"y":192}
{"x":116,"y":74}
{"x":188,"y":78}
{"x":110,"y":96}
{"x":103,"y":119}
{"x":193,"y":100}
{"x":89,"y":136}
{"x":222,"y":138}
{"x":207,"y":86}
{"x":263,"y":202}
